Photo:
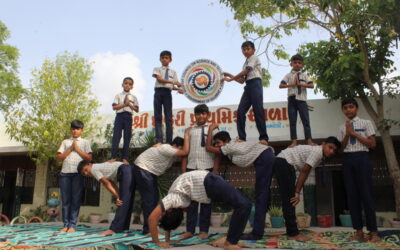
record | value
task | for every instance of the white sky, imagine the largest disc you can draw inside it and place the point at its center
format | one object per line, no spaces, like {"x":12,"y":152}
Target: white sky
{"x":124,"y":38}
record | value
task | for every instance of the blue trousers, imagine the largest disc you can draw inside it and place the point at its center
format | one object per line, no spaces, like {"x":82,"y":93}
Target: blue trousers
{"x":147,"y":184}
{"x":123,"y":214}
{"x":286,"y":177}
{"x":218,"y":189}
{"x":263,"y":165}
{"x":252,"y":97}
{"x":301,"y":107}
{"x":192,"y":213}
{"x":162,"y":97}
{"x":123,"y":121}
{"x":357,"y":175}
{"x":71,"y":187}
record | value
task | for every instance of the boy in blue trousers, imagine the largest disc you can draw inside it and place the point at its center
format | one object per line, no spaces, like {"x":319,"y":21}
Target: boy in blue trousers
{"x":124,"y":104}
{"x":166,"y":80}
{"x":297,"y":83}
{"x":252,"y":95}
{"x":246,"y":154}
{"x":358,"y":136}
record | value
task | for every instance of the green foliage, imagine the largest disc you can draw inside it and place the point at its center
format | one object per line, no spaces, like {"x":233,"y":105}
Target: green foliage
{"x":275,"y":211}
{"x":60,"y":92}
{"x":10,"y":86}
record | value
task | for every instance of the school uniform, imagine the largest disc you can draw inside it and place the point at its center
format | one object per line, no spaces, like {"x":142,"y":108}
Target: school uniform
{"x":202,"y":186}
{"x":285,"y":165}
{"x":123,"y":173}
{"x":163,"y":98}
{"x":71,"y":182}
{"x":252,"y":97}
{"x":123,"y":121}
{"x":199,"y":159}
{"x":245,"y":154}
{"x":147,"y":167}
{"x":297,"y":103}
{"x":357,"y":175}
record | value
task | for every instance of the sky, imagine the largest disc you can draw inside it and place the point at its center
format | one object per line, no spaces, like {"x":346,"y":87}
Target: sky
{"x":125,"y":38}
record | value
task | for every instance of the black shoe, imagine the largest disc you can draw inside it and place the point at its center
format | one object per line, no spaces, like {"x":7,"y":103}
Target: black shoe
{"x":250,"y":236}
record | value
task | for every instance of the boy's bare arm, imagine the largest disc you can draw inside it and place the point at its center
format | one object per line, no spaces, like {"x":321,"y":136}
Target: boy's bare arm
{"x":62,"y":156}
{"x":153,"y":222}
{"x":307,"y":85}
{"x":284,"y":85}
{"x":370,"y":141}
{"x":118,"y":106}
{"x":112,"y":188}
{"x":186,"y":146}
{"x":184,"y":164}
{"x":300,"y":183}
{"x":164,"y":81}
{"x":209,"y":146}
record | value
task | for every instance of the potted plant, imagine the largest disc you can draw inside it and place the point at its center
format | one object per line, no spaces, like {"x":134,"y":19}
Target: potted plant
{"x":111,"y":214}
{"x":325,"y":220}
{"x":345,"y":219}
{"x":94,"y":218}
{"x":276,"y":215}
{"x":303,"y":220}
{"x":395,"y":222}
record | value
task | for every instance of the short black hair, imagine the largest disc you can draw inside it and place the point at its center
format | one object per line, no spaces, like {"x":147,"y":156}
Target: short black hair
{"x":166,"y":53}
{"x":171,"y":219}
{"x":349,"y":100}
{"x":77,"y":124}
{"x":178,"y":141}
{"x":248,"y":44}
{"x":334,"y":140}
{"x":223,"y":136}
{"x":297,"y":57}
{"x":201,"y":108}
{"x":81,"y":165}
{"x":128,"y":78}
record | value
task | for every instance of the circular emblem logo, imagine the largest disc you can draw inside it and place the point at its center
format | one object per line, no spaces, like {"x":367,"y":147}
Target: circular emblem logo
{"x":202,"y":81}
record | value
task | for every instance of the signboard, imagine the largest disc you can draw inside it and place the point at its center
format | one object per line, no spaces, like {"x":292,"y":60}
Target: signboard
{"x":202,"y":81}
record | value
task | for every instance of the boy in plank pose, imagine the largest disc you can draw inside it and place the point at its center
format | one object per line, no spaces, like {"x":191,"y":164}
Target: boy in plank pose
{"x":201,"y":186}
{"x":245,"y":154}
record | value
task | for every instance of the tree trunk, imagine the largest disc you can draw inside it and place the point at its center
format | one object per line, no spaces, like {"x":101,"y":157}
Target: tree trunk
{"x":393,"y":166}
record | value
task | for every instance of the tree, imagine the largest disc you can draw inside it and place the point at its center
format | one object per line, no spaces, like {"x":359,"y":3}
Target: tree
{"x":10,"y":86}
{"x":60,"y":92}
{"x":354,"y":62}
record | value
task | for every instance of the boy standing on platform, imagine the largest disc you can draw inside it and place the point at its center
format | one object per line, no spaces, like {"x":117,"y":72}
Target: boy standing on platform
{"x":124,"y":104}
{"x":166,"y":79}
{"x":245,"y":154}
{"x":199,"y":159}
{"x":71,"y":152}
{"x":358,"y":136}
{"x":252,"y":95}
{"x":302,"y":158}
{"x":297,"y":83}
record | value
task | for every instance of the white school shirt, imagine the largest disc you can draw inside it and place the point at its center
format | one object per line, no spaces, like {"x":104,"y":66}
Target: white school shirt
{"x":300,"y":155}
{"x":172,"y":76}
{"x":157,"y":160}
{"x":254,"y":65}
{"x":120,"y":99}
{"x":187,"y":187}
{"x":71,"y":162}
{"x":106,"y":170}
{"x":199,"y":157}
{"x":243,"y":154}
{"x":361,"y":126}
{"x":293,"y":91}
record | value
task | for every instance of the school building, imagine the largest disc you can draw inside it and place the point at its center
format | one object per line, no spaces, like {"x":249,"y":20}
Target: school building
{"x":25,"y":185}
